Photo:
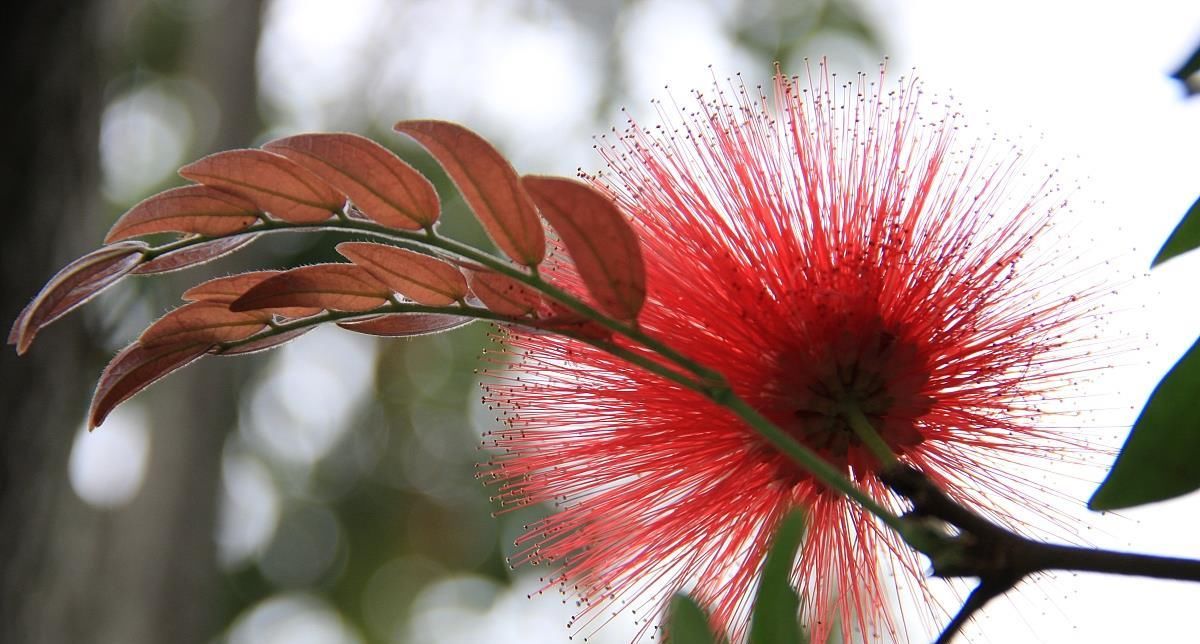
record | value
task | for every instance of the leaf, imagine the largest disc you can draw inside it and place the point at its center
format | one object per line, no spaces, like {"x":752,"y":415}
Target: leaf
{"x":1187,"y":72}
{"x":189,"y":256}
{"x":488,"y":184}
{"x":197,"y":210}
{"x":689,"y":624}
{"x":1185,"y":237}
{"x":598,"y":238}
{"x":385,"y":188}
{"x":775,"y":619}
{"x":337,"y":287}
{"x":265,"y":343}
{"x":225,"y":290}
{"x":132,"y":370}
{"x":406,"y":324}
{"x":420,"y":278}
{"x":1160,"y":456}
{"x":504,"y":295}
{"x":206,"y":323}
{"x":275,"y":184}
{"x":76,"y":283}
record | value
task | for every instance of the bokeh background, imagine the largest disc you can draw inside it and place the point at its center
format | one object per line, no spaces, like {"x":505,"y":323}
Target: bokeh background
{"x":326,"y":492}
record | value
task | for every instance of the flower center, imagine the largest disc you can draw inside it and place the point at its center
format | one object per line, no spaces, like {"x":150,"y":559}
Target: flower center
{"x":863,"y":367}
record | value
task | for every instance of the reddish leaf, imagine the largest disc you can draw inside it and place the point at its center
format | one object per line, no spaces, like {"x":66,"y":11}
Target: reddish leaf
{"x":406,"y":324}
{"x":78,"y":282}
{"x":192,"y":255}
{"x":227,"y":289}
{"x":264,"y":343}
{"x":504,"y":295}
{"x":337,"y":287}
{"x":488,"y":184}
{"x":421,"y":278}
{"x":206,"y":323}
{"x":275,"y":184}
{"x":385,"y":188}
{"x":198,"y":210}
{"x":598,"y":238}
{"x":132,"y":370}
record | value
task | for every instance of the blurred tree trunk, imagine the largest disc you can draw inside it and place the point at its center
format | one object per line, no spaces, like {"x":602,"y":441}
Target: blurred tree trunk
{"x":48,"y":185}
{"x":143,"y":573}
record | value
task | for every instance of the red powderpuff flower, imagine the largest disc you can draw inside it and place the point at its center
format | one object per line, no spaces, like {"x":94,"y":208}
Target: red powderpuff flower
{"x":829,"y":247}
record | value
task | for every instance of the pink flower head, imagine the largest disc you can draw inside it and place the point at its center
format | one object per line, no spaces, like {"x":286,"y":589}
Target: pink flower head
{"x":827,"y":246}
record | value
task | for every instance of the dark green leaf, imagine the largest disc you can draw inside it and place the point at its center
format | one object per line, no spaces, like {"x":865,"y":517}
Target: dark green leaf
{"x":689,"y":624}
{"x":1187,"y":73}
{"x":776,"y":609}
{"x":1161,"y":457}
{"x":1185,"y":237}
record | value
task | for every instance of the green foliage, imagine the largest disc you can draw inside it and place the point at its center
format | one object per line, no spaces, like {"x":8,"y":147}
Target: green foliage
{"x":689,"y":624}
{"x":1185,"y":237}
{"x":1158,"y":460}
{"x":776,"y":607}
{"x":1187,"y":72}
{"x":783,"y":30}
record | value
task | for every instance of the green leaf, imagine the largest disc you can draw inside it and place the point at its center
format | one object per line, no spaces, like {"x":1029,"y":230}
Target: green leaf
{"x":775,"y":619}
{"x":1187,"y":73}
{"x":1161,"y":457}
{"x":1185,"y":237}
{"x":689,"y":624}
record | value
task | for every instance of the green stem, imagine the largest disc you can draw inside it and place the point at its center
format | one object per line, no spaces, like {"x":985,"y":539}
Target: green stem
{"x":570,"y":301}
{"x":722,"y":394}
{"x":477,"y":313}
{"x":818,"y":467}
{"x":866,"y":433}
{"x":707,"y":382}
{"x":430,"y":239}
{"x":278,"y":328}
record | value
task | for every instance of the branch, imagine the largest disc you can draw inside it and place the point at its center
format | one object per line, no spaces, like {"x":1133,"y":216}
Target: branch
{"x":1001,"y":558}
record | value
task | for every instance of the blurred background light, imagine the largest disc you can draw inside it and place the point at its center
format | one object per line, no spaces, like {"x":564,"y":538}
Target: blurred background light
{"x":107,"y":468}
{"x":304,"y":404}
{"x":293,"y":618}
{"x":144,"y":136}
{"x":249,"y":507}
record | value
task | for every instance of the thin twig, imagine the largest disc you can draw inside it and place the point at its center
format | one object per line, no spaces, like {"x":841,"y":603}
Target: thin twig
{"x":983,"y":593}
